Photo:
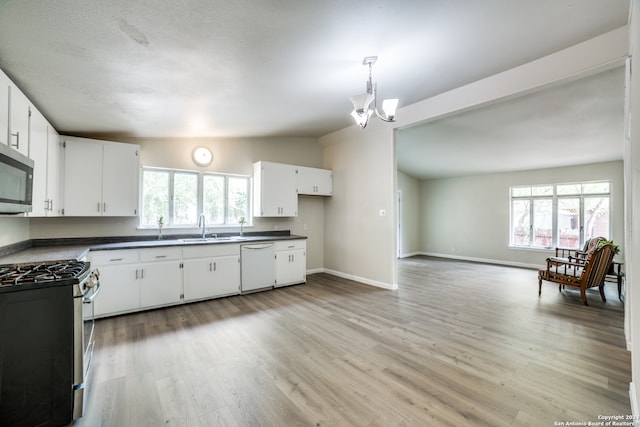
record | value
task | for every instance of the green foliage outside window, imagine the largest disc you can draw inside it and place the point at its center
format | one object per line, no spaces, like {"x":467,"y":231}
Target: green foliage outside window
{"x":180,"y":196}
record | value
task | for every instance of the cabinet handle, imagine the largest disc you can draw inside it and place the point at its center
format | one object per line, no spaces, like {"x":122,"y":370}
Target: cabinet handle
{"x":142,"y":273}
{"x":17,"y":135}
{"x":210,"y":267}
{"x":116,"y":259}
{"x":161,"y":256}
{"x":136,"y":274}
{"x":98,"y":206}
{"x":104,"y":207}
{"x":215,"y":267}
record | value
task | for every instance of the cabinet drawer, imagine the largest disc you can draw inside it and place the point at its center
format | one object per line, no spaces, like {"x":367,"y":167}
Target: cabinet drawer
{"x":213,"y":250}
{"x":290,"y":245}
{"x":160,"y":254}
{"x":113,"y":257}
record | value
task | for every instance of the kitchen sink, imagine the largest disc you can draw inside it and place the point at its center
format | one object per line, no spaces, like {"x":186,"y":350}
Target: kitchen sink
{"x":213,"y":239}
{"x":197,"y":239}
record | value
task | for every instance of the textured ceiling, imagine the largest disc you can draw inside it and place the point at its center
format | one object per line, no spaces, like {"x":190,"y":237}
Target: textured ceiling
{"x":216,"y":68}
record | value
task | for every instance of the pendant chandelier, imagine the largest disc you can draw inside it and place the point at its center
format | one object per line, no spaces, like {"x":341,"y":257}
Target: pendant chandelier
{"x":364,"y":105}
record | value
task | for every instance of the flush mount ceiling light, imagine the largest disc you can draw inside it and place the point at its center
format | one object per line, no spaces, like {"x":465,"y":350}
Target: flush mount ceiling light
{"x":362,"y":104}
{"x":202,"y":156}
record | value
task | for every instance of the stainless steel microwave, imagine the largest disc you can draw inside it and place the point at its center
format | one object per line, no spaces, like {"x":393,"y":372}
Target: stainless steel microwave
{"x":16,"y":181}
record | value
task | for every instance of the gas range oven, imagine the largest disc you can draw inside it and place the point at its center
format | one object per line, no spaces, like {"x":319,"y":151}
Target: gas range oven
{"x":46,"y":341}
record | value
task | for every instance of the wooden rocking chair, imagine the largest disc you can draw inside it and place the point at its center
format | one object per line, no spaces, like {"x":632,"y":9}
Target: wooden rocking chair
{"x":581,"y":274}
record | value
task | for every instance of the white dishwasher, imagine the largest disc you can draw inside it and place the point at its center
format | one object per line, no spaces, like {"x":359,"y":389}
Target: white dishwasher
{"x":258,"y":267}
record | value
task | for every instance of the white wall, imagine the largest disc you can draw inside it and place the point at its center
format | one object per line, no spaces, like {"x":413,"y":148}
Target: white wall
{"x":411,"y":216}
{"x":359,"y":242}
{"x":468,"y":217}
{"x":234,"y":156}
{"x":13,"y":229}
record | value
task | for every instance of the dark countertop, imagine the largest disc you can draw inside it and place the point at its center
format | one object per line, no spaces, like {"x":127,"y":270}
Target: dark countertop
{"x":60,"y":249}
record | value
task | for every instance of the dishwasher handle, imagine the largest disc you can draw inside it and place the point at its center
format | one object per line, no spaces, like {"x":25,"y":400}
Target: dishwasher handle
{"x":254,"y":247}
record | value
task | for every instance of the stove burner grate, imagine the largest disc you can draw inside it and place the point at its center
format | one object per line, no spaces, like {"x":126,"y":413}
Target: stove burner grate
{"x":45,"y":272}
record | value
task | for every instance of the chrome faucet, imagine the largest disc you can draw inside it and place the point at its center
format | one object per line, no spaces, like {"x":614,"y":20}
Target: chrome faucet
{"x":201,"y":223}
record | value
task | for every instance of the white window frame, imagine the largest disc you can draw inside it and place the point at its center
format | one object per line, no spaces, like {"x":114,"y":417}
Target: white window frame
{"x":169,"y":221}
{"x":555,"y":197}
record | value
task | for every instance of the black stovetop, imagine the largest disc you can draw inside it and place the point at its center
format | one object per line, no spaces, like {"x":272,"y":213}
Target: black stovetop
{"x":50,"y":273}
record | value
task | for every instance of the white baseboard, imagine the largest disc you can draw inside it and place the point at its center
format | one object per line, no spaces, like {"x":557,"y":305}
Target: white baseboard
{"x":483,"y":260}
{"x":410,"y":254}
{"x":364,"y":280}
{"x":394,"y":286}
{"x":633,"y":397}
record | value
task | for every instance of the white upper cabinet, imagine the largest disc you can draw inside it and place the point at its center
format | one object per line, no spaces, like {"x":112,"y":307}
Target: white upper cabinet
{"x":53,"y":172}
{"x":18,"y":120}
{"x":120,"y":179}
{"x":44,"y":151}
{"x":100,"y":178}
{"x":276,"y":187}
{"x":274,"y":190}
{"x":4,"y":108}
{"x":315,"y":182}
{"x":38,"y":153}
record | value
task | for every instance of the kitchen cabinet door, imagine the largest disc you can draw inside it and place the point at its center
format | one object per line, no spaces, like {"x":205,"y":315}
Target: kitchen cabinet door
{"x":291,"y":262}
{"x":314,"y":181}
{"x":226,"y":275}
{"x":275,"y":190}
{"x":4,"y":108}
{"x":44,"y":151}
{"x":18,"y":120}
{"x":290,"y":267}
{"x":160,"y":283}
{"x":82,"y":178}
{"x":120,"y":168}
{"x":100,"y":178}
{"x":53,"y":172}
{"x":38,"y":153}
{"x":198,"y":279}
{"x":211,"y":277}
{"x":119,"y":290}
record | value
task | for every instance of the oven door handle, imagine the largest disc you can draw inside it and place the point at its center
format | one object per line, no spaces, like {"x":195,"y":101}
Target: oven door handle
{"x":90,"y":299}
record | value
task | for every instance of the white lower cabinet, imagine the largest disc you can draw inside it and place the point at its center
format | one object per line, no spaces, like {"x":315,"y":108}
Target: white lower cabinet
{"x":139,"y":279}
{"x":291,"y":262}
{"x":119,"y":285}
{"x":134,"y":279}
{"x":160,"y":277}
{"x":211,"y":271}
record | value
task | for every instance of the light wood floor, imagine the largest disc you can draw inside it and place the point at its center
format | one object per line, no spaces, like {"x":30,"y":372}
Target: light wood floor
{"x":459,"y":344}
